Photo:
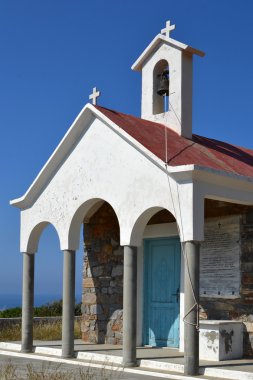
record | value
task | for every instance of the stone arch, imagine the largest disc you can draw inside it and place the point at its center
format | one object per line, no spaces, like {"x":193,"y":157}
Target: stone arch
{"x":35,"y":234}
{"x":158,"y":100}
{"x":141,"y":222}
{"x":84,"y":211}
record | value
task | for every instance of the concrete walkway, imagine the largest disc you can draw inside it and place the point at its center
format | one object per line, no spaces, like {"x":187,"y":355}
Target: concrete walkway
{"x":160,"y":360}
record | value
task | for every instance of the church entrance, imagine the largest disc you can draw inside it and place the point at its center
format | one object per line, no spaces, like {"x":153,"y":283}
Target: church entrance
{"x":161,"y":292}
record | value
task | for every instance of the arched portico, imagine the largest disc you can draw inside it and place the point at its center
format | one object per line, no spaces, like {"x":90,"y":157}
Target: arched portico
{"x":140,"y":224}
{"x":83,"y":213}
{"x":132,"y":223}
{"x":31,"y":237}
{"x":70,"y":235}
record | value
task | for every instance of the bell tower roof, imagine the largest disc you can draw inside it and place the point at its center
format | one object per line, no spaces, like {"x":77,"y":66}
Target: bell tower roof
{"x":159,"y":39}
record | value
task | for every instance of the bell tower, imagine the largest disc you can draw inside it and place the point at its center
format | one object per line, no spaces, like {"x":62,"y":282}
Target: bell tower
{"x":166,"y":68}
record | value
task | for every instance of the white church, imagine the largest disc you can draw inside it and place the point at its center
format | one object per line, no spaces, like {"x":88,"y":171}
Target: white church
{"x":166,"y":216}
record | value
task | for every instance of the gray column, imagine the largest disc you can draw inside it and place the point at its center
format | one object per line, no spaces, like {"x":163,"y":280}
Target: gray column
{"x":129,"y":306}
{"x":191,"y":296}
{"x":27,"y":302}
{"x":68,"y":312}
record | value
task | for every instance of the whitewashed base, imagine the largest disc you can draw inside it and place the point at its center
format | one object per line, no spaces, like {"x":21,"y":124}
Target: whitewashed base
{"x":221,"y":340}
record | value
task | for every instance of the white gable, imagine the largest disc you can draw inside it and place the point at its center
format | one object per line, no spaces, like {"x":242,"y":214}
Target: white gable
{"x":97,"y":161}
{"x":101,"y":165}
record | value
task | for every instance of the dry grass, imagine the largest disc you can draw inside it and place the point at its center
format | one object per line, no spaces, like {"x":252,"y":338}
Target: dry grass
{"x":8,"y":371}
{"x":10,"y":333}
{"x":49,"y":371}
{"x":41,"y":331}
{"x":53,"y":331}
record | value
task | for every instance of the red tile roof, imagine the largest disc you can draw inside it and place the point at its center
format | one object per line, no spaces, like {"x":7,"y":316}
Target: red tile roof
{"x":199,"y":150}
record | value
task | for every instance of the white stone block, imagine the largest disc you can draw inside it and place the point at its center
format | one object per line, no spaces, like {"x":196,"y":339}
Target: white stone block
{"x":220,"y":340}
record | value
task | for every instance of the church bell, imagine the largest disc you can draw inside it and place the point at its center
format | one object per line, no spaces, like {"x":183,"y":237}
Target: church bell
{"x":163,"y":88}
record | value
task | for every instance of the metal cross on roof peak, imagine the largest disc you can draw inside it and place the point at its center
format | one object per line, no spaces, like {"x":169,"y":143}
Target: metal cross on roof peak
{"x":168,"y":29}
{"x":95,"y":94}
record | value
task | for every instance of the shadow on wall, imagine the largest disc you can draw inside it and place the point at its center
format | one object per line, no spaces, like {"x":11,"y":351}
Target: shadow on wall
{"x":102,"y":295}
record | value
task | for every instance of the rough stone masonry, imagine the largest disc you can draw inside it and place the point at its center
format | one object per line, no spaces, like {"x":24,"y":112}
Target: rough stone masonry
{"x":102,"y":297}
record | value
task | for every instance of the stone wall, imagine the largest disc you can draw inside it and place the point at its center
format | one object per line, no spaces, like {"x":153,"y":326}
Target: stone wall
{"x":239,"y":308}
{"x":102,"y":297}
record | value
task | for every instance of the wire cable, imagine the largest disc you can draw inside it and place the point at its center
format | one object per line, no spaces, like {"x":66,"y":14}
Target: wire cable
{"x":181,"y":230}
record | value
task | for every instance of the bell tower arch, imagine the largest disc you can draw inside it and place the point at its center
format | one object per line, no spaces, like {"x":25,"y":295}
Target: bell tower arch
{"x":166,"y":68}
{"x":161,"y":87}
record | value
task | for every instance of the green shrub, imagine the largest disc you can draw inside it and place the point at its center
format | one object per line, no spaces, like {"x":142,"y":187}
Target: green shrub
{"x":51,"y":309}
{"x":14,"y":312}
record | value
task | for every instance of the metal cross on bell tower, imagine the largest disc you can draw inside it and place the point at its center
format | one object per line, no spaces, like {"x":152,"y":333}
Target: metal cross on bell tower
{"x":95,"y":94}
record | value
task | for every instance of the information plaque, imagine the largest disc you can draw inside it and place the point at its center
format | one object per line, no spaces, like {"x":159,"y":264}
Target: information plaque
{"x":220,"y":258}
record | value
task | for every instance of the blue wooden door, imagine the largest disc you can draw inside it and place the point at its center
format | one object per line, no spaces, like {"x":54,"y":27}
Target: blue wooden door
{"x":161,"y":292}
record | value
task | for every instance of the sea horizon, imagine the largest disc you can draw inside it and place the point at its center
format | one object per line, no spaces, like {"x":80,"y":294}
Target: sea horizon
{"x":8,"y":301}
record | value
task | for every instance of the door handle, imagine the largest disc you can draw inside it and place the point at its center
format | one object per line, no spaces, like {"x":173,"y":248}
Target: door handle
{"x":176,"y":294}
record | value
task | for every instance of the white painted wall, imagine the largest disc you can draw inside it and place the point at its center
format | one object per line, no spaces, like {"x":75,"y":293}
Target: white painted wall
{"x":97,"y":160}
{"x":102,"y":165}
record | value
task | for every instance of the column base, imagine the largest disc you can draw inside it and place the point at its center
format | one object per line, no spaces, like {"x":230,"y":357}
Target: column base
{"x":191,"y":367}
{"x":27,"y":350}
{"x":69,"y":356}
{"x":130,"y":364}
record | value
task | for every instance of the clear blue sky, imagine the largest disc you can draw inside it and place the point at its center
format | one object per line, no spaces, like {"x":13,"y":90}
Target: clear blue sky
{"x":54,"y":52}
